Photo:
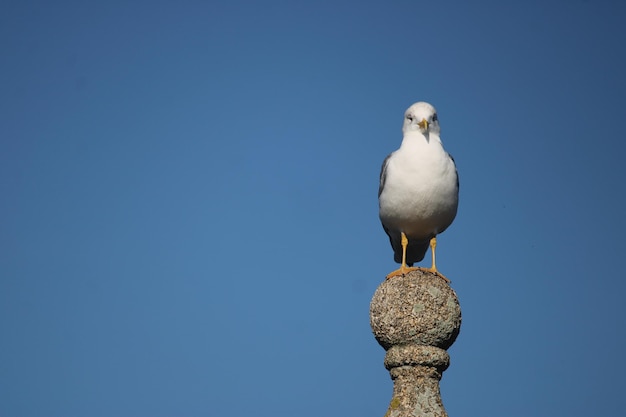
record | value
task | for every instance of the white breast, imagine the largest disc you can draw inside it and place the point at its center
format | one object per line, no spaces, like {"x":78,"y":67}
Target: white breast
{"x":420,"y":195}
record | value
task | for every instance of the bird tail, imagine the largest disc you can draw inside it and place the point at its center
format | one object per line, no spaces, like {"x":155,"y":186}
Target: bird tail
{"x":415,"y":251}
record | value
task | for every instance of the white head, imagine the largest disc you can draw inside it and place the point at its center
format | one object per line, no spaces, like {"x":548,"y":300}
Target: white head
{"x":421,"y":117}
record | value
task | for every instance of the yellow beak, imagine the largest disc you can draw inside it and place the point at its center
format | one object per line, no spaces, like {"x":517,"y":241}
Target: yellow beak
{"x":423,"y":124}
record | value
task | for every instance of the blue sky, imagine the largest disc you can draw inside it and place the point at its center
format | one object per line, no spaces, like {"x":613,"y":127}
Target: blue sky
{"x":189,"y":223}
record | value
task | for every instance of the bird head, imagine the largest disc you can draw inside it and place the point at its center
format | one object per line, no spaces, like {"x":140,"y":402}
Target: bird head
{"x":421,"y":117}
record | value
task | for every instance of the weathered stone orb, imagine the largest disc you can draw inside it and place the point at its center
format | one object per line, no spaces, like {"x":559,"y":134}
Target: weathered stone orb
{"x":419,"y":308}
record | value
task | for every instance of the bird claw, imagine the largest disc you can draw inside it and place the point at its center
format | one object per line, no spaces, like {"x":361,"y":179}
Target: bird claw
{"x":440,"y":275}
{"x":404,"y":270}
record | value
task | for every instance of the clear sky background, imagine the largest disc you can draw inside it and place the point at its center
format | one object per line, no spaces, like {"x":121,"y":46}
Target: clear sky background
{"x":189,"y":217}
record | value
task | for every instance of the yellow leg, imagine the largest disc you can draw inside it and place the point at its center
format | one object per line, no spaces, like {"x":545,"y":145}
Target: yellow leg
{"x":403,"y":268}
{"x":433,"y":245}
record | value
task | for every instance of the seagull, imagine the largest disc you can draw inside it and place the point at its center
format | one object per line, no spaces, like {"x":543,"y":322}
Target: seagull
{"x":418,"y":193}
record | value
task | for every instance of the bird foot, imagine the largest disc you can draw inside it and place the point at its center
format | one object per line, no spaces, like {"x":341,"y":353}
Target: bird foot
{"x":402,"y":271}
{"x":434,"y":271}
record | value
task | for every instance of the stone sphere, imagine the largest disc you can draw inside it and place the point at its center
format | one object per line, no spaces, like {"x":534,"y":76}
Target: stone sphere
{"x":419,"y":308}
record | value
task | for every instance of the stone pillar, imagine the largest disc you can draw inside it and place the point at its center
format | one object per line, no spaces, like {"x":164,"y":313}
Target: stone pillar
{"x":415,"y":318}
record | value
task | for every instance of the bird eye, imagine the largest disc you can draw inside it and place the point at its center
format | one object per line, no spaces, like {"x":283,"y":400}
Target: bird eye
{"x":435,"y":117}
{"x":408,"y":116}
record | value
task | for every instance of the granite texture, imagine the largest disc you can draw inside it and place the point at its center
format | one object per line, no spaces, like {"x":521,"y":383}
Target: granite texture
{"x":415,"y":318}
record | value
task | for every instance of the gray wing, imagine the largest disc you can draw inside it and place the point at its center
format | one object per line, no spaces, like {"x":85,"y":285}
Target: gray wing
{"x":456,"y":171}
{"x":416,"y":249}
{"x":383,"y":175}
